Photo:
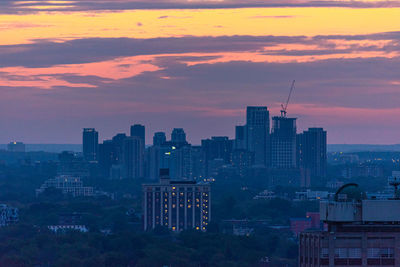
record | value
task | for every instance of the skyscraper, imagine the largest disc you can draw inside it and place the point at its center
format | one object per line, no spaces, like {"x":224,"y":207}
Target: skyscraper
{"x":283,"y":143}
{"x":257,"y":134}
{"x":218,"y":147}
{"x":311,"y":153}
{"x":133,"y":158}
{"x":106,"y":157}
{"x":139,"y":131}
{"x":240,"y":137}
{"x":159,"y":139}
{"x":178,"y":136}
{"x":90,"y":140}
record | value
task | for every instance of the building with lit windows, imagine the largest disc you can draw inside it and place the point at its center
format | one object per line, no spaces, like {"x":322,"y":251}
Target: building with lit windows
{"x":360,"y":232}
{"x":176,"y":205}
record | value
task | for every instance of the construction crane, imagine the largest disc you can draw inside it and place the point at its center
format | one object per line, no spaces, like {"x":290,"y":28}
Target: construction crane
{"x":284,"y":107}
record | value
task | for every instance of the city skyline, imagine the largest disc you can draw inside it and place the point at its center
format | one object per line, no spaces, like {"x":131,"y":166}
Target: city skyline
{"x":68,"y":65}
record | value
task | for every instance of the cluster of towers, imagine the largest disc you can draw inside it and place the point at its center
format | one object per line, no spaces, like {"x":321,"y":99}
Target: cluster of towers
{"x":285,"y":156}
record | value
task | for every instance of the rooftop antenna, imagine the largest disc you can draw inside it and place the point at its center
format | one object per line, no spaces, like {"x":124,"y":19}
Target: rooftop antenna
{"x":284,"y":107}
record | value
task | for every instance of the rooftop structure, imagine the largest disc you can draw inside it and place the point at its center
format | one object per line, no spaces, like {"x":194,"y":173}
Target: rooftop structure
{"x":360,"y":231}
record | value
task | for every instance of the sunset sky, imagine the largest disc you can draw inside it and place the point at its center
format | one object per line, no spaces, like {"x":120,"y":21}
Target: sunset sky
{"x":65,"y":65}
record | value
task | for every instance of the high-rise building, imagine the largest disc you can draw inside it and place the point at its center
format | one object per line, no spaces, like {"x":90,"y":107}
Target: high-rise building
{"x":359,"y":232}
{"x":178,"y":137}
{"x":218,"y":147}
{"x":139,"y":131}
{"x":185,"y":162}
{"x":176,"y":205}
{"x":133,"y":158}
{"x":159,"y":139}
{"x":106,"y":157}
{"x":118,"y":142}
{"x":158,"y":157}
{"x":90,"y":138}
{"x":283,"y":143}
{"x":111,"y":155}
{"x":240,"y":137}
{"x":258,"y":135}
{"x":311,"y":154}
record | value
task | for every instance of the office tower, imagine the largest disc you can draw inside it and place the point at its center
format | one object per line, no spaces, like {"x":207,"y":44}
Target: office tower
{"x":240,"y":137}
{"x":106,"y":157}
{"x":184,"y":163}
{"x":133,"y":158}
{"x":90,"y":144}
{"x":176,"y":205}
{"x":16,"y":147}
{"x":118,"y":142}
{"x":198,"y":165}
{"x":180,"y":164}
{"x":139,"y":131}
{"x":283,"y":143}
{"x":257,"y":134}
{"x":111,"y":155}
{"x":178,"y":137}
{"x":359,"y":232}
{"x":218,"y":147}
{"x":311,"y":154}
{"x":159,"y":139}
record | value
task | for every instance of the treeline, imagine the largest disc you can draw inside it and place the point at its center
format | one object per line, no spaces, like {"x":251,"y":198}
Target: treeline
{"x":24,"y":245}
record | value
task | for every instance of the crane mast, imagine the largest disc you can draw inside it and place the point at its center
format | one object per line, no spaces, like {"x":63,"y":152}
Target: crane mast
{"x":284,"y":107}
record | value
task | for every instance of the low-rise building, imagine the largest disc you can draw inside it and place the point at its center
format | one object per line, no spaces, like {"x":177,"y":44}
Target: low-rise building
{"x":66,"y":228}
{"x":312,"y":195}
{"x":69,"y":185}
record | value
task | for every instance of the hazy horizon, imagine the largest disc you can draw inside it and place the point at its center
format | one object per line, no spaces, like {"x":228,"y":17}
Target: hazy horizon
{"x":197,"y":65}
